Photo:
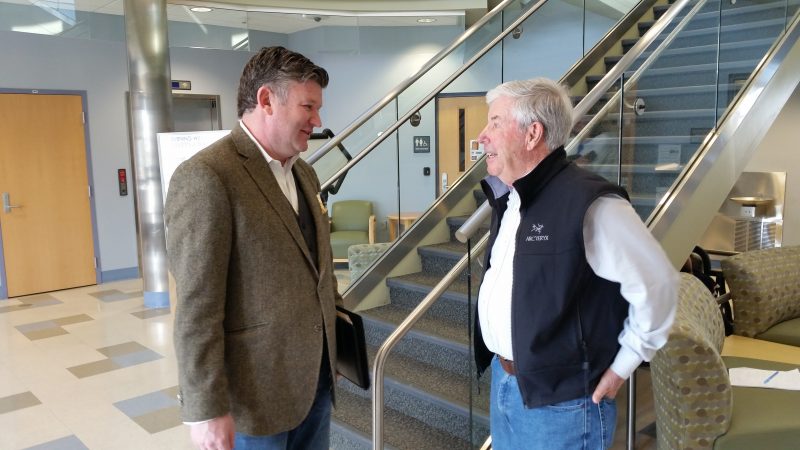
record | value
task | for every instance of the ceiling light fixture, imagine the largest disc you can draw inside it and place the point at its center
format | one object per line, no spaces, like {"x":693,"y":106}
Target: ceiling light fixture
{"x":200,"y":9}
{"x":426,"y":20}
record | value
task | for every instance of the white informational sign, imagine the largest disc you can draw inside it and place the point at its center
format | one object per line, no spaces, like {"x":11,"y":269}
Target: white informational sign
{"x":475,"y":150}
{"x":175,"y":148}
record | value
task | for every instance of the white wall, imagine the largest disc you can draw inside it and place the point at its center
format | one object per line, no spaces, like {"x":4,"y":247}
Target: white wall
{"x":778,"y":152}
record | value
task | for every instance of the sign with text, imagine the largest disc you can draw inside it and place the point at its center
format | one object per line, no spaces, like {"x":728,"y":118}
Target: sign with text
{"x":175,"y":148}
{"x":422,"y":144}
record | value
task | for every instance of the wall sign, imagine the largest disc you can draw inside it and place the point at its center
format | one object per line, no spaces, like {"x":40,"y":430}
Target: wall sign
{"x":181,"y":85}
{"x":422,"y":144}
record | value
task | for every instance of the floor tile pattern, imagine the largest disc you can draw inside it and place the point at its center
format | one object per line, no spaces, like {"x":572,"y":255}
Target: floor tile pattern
{"x":156,"y":411}
{"x":113,"y":295}
{"x":31,"y":301}
{"x":18,"y":401}
{"x":118,"y":356}
{"x":150,"y":313}
{"x":50,"y":328}
{"x":65,"y":443}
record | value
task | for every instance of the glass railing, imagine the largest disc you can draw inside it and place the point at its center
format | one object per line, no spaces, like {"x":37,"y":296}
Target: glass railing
{"x":402,"y":174}
{"x":421,"y":138}
{"x":656,"y":115}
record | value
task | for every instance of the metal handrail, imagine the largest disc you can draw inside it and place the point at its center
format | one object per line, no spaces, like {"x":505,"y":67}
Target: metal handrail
{"x":474,"y":222}
{"x":613,"y":75}
{"x":628,"y":58}
{"x":400,"y":88}
{"x":386,"y":133}
{"x":383,"y":352}
{"x":483,"y":213}
{"x":476,"y":219}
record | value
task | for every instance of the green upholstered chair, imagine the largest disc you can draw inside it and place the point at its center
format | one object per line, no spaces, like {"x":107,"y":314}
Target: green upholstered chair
{"x":352,"y":222}
{"x":696,"y":407}
{"x":765,"y":289}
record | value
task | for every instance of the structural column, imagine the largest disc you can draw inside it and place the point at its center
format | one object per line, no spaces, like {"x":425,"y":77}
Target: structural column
{"x":151,"y":113}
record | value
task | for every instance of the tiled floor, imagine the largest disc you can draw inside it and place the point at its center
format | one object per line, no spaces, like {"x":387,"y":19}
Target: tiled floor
{"x":88,"y":368}
{"x":91,"y":368}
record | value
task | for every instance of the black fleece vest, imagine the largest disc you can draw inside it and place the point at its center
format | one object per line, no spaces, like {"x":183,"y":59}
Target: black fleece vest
{"x":565,"y":319}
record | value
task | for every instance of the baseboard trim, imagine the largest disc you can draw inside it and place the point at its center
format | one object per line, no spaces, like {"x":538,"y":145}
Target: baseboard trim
{"x":127,"y":273}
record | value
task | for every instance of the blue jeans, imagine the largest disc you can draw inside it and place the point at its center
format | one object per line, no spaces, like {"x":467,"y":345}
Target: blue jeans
{"x":572,"y":425}
{"x":313,"y":433}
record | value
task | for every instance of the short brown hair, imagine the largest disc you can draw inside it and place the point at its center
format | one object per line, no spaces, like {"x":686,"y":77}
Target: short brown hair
{"x":275,"y":67}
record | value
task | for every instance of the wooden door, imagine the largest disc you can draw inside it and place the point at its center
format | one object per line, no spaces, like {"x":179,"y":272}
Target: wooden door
{"x":47,"y":240}
{"x":459,"y":121}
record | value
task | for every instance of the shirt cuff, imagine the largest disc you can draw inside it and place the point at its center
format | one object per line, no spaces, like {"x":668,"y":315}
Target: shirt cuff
{"x":625,"y":363}
{"x":197,"y":423}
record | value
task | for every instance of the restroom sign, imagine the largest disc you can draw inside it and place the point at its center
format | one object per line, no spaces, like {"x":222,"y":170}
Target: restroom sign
{"x":422,"y":144}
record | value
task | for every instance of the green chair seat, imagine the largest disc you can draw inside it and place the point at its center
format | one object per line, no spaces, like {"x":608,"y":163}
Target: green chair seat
{"x":761,"y":418}
{"x":342,"y":240}
{"x":787,"y":332}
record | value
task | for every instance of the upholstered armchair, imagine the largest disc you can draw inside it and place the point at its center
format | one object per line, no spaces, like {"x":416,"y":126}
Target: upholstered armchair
{"x":765,"y":289}
{"x":696,"y":406}
{"x":352,"y":222}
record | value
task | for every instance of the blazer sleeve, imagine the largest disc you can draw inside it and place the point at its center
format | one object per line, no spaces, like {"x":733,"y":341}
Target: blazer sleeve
{"x":199,"y":234}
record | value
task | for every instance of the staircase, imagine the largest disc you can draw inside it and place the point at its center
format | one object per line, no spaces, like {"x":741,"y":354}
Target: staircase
{"x":432,"y":399}
{"x":684,"y":92}
{"x":430,"y":379}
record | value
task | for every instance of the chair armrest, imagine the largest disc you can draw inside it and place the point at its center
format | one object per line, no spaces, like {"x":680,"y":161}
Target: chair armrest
{"x":371,"y":229}
{"x":763,"y":286}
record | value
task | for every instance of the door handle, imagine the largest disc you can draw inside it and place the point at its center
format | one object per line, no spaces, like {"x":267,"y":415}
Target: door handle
{"x":7,"y":206}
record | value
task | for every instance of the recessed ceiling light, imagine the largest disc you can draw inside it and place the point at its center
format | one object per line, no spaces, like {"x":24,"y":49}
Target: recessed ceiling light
{"x":426,"y":20}
{"x":200,"y":9}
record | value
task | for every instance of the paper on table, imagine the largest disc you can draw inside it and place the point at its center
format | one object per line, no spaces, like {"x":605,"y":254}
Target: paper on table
{"x":770,"y":379}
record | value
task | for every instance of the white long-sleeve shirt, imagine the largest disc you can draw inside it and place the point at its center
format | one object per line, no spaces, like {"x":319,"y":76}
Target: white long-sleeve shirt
{"x":618,"y":248}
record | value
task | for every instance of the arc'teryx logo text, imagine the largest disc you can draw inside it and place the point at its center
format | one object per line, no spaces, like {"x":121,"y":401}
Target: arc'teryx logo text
{"x":537,"y":228}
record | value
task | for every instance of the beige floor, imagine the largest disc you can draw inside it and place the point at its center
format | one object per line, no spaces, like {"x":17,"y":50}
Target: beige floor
{"x":91,"y":368}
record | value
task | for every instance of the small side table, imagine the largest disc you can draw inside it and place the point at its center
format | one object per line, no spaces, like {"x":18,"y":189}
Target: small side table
{"x":395,"y":220}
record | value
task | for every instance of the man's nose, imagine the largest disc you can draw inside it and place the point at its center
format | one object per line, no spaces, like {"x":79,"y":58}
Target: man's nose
{"x":482,"y":136}
{"x":316,"y":120}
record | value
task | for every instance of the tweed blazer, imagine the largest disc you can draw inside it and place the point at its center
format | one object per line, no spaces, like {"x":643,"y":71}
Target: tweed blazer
{"x":253,"y":309}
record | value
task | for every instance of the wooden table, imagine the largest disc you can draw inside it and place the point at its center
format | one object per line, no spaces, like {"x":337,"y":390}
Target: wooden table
{"x":395,"y":220}
{"x":746,"y":347}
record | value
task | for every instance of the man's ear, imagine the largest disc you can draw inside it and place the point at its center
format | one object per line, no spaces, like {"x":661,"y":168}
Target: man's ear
{"x":533,"y":135}
{"x":265,"y":97}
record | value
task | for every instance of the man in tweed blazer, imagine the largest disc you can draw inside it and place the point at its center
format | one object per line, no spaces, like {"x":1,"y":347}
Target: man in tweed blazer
{"x":249,"y":248}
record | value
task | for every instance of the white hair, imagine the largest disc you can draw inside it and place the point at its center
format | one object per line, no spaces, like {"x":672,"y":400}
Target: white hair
{"x":539,"y":100}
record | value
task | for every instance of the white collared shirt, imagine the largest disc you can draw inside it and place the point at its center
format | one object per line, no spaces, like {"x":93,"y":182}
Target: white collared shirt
{"x":283,"y":172}
{"x":494,"y":297}
{"x":619,"y":249}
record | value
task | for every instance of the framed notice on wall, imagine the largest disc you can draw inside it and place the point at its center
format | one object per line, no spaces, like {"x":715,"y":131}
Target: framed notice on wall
{"x":175,"y":148}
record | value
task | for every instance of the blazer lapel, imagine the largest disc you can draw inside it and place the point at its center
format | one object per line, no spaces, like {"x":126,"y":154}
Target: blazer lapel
{"x":259,"y":171}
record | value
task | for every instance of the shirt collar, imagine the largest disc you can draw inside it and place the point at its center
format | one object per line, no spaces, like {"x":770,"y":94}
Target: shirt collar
{"x":289,"y":163}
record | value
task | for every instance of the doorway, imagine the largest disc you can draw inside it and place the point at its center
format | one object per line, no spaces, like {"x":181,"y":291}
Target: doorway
{"x":196,"y":112}
{"x":459,"y":121}
{"x":48,"y":239}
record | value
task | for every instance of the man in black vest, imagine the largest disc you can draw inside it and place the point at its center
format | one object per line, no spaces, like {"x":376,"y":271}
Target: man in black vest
{"x":249,"y":247}
{"x":576,"y":293}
